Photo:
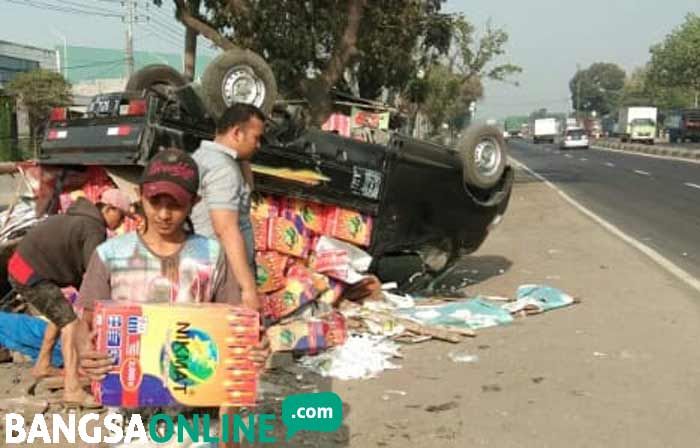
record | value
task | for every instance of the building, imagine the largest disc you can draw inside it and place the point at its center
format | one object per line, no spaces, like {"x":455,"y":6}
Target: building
{"x":15,"y":59}
{"x":100,"y":70}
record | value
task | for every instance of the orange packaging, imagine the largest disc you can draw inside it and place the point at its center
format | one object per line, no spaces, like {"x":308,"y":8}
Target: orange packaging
{"x":270,"y":271}
{"x":308,"y":336}
{"x":165,"y":355}
{"x":311,"y":214}
{"x":349,"y":225}
{"x":266,"y":207}
{"x":260,"y":230}
{"x":288,"y":237}
{"x":330,"y":289}
{"x":298,"y":291}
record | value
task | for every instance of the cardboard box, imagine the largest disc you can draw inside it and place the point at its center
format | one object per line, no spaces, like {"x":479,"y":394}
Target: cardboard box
{"x":349,"y":225}
{"x":167,"y":355}
{"x":298,"y":291}
{"x":264,"y":207}
{"x":311,"y":214}
{"x":270,"y":274}
{"x":288,"y":237}
{"x":308,"y":336}
{"x":261,"y":227}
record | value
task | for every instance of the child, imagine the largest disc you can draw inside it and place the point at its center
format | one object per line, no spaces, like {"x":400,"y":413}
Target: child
{"x":159,"y":265}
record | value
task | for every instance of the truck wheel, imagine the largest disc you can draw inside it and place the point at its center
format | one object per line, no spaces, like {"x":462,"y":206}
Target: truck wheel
{"x":239,"y":76}
{"x":482,"y":151}
{"x":158,"y":77}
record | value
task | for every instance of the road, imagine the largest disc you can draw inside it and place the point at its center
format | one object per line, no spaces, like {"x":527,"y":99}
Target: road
{"x":652,"y":199}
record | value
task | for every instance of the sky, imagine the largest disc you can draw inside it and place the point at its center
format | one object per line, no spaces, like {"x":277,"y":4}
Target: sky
{"x":548,"y":38}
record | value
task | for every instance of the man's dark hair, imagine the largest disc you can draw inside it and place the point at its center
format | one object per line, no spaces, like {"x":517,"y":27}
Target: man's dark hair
{"x":236,"y":115}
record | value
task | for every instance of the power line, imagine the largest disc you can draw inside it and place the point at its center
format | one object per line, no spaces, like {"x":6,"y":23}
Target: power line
{"x":53,"y":7}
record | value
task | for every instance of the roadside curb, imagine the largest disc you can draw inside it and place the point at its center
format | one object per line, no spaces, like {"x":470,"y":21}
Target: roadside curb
{"x":681,"y":153}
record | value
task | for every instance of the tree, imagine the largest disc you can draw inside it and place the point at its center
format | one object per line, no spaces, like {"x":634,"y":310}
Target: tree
{"x":598,"y":88}
{"x":40,"y":91}
{"x":641,"y":90}
{"x":453,"y":85}
{"x":366,"y":47}
{"x":675,"y":62}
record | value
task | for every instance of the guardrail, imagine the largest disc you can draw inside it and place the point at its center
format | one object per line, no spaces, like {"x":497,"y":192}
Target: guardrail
{"x":680,"y":152}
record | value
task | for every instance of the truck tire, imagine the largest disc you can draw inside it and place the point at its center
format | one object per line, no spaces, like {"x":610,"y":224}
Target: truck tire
{"x":159,"y":77}
{"x":483,"y":153}
{"x":238,"y":76}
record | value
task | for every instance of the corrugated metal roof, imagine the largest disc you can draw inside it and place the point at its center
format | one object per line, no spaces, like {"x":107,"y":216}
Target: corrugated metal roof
{"x":87,"y":63}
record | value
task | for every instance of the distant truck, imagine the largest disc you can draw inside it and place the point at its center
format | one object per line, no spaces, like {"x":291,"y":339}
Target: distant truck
{"x":683,"y":125}
{"x":637,"y":124}
{"x":545,"y":130}
{"x":513,"y":126}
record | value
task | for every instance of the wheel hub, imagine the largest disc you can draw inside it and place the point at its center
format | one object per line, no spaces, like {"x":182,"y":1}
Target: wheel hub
{"x":242,"y":85}
{"x":487,"y":157}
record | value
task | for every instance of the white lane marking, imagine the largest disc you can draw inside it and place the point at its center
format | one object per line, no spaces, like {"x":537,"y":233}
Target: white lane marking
{"x":688,"y":184}
{"x":583,"y":159}
{"x":643,"y":173}
{"x":610,"y":164}
{"x":656,"y":257}
{"x":568,"y":156}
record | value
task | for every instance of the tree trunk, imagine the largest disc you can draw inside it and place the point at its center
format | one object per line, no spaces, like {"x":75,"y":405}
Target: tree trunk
{"x":191,"y":44}
{"x":201,"y":27}
{"x":317,"y":91}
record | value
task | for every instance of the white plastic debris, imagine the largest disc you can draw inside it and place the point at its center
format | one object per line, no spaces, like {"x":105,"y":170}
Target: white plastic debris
{"x":399,"y":301}
{"x":361,"y":357}
{"x":462,"y":357}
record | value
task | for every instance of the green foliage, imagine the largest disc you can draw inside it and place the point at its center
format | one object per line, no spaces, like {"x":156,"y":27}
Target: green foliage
{"x":453,"y":86}
{"x":298,"y":38}
{"x":641,"y":90}
{"x":675,"y":62}
{"x":598,"y":88}
{"x":40,"y":91}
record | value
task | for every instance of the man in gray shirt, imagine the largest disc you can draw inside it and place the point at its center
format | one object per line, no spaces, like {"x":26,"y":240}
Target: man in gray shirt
{"x":225,"y":187}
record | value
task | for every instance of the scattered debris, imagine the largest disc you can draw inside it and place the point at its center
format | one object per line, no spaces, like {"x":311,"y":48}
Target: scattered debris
{"x":600,"y":355}
{"x":491,"y":388}
{"x":534,"y":299}
{"x":361,"y":357}
{"x":442,"y":407}
{"x":463,"y":357}
{"x":538,"y":379}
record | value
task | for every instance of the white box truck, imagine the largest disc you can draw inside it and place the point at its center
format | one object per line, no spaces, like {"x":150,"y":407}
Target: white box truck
{"x":545,"y":130}
{"x":637,"y":124}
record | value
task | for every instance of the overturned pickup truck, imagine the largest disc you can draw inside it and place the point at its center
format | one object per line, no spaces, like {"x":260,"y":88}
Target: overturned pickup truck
{"x":426,"y":201}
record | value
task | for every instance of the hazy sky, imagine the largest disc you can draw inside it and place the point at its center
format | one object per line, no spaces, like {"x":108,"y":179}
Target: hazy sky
{"x":547,"y":37}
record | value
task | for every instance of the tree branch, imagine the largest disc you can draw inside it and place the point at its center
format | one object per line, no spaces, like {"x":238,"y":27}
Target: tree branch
{"x":201,"y":26}
{"x":347,"y":48}
{"x":239,"y":7}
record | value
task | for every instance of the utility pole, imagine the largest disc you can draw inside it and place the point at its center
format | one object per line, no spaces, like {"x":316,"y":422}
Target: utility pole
{"x":130,"y":18}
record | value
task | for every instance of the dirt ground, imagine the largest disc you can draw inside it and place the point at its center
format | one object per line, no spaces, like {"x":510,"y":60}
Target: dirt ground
{"x":619,"y":369}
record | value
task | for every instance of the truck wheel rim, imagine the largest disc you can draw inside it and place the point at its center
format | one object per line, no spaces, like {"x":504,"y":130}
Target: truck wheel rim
{"x":242,"y":85}
{"x":487,"y":157}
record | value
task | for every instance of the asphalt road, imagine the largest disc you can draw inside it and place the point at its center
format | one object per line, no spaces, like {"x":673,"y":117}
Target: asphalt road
{"x":655,"y":200}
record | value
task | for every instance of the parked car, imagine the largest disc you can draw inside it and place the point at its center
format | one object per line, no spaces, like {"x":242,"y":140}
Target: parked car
{"x":462,"y":194}
{"x":574,"y":138}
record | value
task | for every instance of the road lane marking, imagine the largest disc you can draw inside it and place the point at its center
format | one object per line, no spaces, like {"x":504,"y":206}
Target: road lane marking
{"x":610,"y":164}
{"x":643,"y":173}
{"x":583,"y":159}
{"x":568,"y":156}
{"x":655,"y":256}
{"x":688,"y":184}
{"x":653,"y":156}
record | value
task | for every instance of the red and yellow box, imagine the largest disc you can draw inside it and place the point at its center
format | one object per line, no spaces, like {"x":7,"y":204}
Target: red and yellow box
{"x":270,"y":271}
{"x":166,"y":355}
{"x":349,"y":225}
{"x":265,"y":207}
{"x":311,"y":214}
{"x":298,"y":291}
{"x":308,"y":336}
{"x":288,"y":237}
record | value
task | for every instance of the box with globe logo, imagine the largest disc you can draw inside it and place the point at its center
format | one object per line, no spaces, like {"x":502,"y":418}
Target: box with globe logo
{"x":167,"y":355}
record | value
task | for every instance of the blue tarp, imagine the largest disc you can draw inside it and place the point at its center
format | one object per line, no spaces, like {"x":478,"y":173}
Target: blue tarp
{"x":471,"y":313}
{"x":23,"y":333}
